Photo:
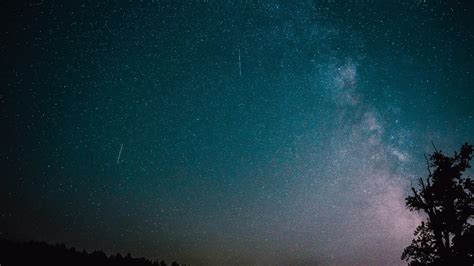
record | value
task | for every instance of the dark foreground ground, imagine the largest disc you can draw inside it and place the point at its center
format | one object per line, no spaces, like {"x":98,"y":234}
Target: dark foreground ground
{"x":40,"y":253}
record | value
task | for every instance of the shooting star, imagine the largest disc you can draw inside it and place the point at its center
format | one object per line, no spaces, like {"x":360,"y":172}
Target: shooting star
{"x":120,"y":153}
{"x":240,"y":65}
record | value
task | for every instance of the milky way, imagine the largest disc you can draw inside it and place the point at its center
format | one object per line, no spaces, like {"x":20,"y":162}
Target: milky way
{"x":241,"y":132}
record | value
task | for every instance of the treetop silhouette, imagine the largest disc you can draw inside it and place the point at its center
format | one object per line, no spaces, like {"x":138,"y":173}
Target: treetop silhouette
{"x":446,"y":237}
{"x":40,"y":253}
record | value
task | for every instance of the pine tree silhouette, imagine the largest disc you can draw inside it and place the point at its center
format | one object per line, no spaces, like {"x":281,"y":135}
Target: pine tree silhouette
{"x":40,"y":253}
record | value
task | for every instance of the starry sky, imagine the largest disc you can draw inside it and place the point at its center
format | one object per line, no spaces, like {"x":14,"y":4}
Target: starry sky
{"x":228,"y":132}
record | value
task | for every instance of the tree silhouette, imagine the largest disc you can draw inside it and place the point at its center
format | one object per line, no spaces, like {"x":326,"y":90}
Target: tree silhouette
{"x":40,"y":253}
{"x":446,"y":237}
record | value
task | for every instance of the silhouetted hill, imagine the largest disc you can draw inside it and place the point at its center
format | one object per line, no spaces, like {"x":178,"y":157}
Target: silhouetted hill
{"x":40,"y":253}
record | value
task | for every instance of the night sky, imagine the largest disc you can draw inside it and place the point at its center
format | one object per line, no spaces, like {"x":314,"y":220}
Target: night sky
{"x":228,"y":132}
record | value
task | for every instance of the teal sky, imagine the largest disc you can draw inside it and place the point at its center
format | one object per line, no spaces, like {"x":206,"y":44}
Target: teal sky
{"x":252,"y":132}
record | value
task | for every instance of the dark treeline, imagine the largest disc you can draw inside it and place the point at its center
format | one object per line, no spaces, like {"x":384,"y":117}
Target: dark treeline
{"x":41,"y":253}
